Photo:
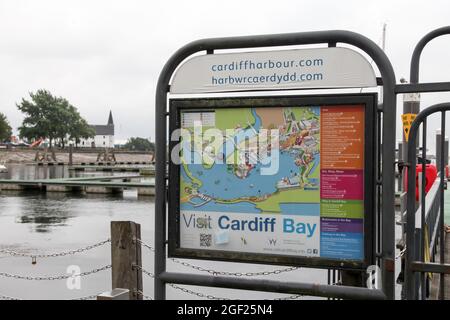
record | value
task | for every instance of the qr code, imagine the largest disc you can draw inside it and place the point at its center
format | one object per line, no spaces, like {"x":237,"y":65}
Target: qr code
{"x":205,"y":240}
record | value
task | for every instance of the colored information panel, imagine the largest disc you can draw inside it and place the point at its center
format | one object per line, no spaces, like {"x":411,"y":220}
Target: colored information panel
{"x":273,"y":180}
{"x":342,"y":182}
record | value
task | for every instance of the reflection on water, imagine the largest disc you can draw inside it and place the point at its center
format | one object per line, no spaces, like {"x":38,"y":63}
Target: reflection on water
{"x":38,"y":223}
{"x":46,"y":211}
{"x":43,"y":211}
{"x":18,"y":171}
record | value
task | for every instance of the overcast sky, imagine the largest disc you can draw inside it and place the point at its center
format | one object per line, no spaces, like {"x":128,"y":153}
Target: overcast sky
{"x":107,"y":54}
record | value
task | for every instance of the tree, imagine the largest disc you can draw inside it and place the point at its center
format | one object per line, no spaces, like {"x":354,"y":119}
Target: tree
{"x":53,"y":118}
{"x":80,"y":130}
{"x":5,"y":128}
{"x":140,"y":144}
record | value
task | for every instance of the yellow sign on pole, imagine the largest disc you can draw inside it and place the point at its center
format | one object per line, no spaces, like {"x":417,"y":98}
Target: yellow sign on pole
{"x":407,"y":119}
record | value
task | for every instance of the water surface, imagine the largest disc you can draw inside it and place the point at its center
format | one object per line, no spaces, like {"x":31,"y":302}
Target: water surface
{"x":37,"y":223}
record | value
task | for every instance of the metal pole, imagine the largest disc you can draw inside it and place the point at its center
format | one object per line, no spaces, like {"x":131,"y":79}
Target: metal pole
{"x":310,"y":289}
{"x":400,"y":173}
{"x":410,"y":279}
{"x":411,"y":104}
{"x":446,"y":152}
{"x":439,"y":154}
{"x":422,"y":243}
{"x":441,"y":217}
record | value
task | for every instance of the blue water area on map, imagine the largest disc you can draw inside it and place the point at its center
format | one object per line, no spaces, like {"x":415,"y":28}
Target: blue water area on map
{"x":298,"y":209}
{"x":220,"y":182}
{"x":240,"y":207}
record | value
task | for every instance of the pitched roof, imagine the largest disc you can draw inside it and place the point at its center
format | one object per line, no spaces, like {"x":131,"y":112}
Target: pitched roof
{"x":102,"y":130}
{"x":105,"y":130}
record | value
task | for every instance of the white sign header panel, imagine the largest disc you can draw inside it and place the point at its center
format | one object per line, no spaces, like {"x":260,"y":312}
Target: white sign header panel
{"x":274,"y":70}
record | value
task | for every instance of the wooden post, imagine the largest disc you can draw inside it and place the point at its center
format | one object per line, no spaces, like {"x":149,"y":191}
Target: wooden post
{"x":125,"y":256}
{"x":71,"y":155}
{"x":115,"y":294}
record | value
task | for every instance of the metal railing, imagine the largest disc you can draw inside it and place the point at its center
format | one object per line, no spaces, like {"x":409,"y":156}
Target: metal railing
{"x":425,"y":224}
{"x":432,"y":217}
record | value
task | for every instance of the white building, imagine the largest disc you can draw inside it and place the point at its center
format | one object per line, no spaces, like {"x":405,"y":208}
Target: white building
{"x":104,"y":136}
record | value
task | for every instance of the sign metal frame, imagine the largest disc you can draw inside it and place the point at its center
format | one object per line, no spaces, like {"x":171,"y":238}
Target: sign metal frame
{"x":369,"y":102}
{"x":384,"y":184}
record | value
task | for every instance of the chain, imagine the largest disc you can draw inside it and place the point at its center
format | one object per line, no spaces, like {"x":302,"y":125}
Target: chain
{"x":211,"y":297}
{"x":234,"y":274}
{"x":294,"y":297}
{"x":140,"y":293}
{"x":145,"y":245}
{"x":222,"y":273}
{"x":214,"y":272}
{"x":148,"y":273}
{"x":53,"y":255}
{"x":94,"y":296}
{"x":51,"y":278}
{"x":2,"y":297}
{"x":91,"y":297}
{"x":400,"y":254}
{"x":198,"y":294}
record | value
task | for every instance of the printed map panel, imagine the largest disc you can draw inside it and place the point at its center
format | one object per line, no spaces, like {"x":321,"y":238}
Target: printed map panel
{"x":297,"y":192}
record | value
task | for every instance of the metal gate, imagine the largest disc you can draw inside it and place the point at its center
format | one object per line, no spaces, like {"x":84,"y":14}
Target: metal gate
{"x":385,"y":175}
{"x":425,"y":217}
{"x":425,"y":221}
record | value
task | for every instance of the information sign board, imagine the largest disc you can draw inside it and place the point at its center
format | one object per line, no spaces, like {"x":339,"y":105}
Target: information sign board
{"x":282,"y":180}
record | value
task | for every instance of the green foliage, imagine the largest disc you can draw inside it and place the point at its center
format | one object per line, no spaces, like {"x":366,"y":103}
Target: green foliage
{"x":140,"y":144}
{"x":52,"y":117}
{"x":5,"y":128}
